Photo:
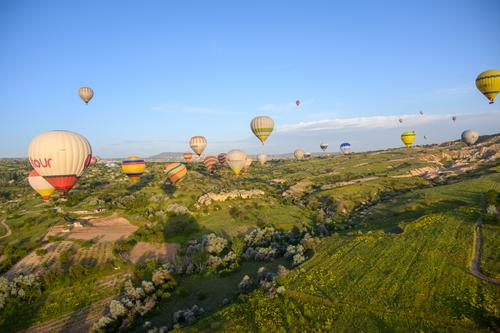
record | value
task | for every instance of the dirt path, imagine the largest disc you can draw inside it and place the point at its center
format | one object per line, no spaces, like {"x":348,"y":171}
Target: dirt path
{"x":475,"y":260}
{"x":9,"y":232}
{"x":79,"y":321}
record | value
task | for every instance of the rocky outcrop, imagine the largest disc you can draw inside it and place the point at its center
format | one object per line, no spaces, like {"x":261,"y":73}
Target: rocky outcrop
{"x":208,"y":198}
{"x":297,"y":189}
{"x":426,"y":172}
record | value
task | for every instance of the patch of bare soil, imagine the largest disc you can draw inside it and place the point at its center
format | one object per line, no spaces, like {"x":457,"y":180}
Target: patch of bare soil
{"x":162,"y":252}
{"x":104,"y":229}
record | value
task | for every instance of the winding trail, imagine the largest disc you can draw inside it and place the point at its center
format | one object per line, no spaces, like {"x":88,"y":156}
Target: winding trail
{"x":9,"y":232}
{"x":475,"y":260}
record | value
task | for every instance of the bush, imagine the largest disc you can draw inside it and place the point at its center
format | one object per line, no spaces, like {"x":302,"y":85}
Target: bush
{"x":182,"y":292}
{"x":492,"y":197}
{"x":201,"y":295}
{"x":41,"y":251}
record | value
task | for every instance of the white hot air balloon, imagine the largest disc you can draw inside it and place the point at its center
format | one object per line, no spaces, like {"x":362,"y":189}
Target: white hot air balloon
{"x":236,"y":160}
{"x":262,"y":158}
{"x":60,"y":157}
{"x":299,"y":154}
{"x":248,"y":162}
{"x":198,"y":144}
{"x":470,"y":137}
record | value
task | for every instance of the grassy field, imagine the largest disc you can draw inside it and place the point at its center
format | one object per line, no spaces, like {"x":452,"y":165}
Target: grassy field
{"x":416,"y":280}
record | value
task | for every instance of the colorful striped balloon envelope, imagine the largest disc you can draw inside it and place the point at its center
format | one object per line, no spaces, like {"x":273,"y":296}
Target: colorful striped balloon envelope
{"x":133,"y":167}
{"x":222,"y":158}
{"x":210,"y":163}
{"x":175,"y":172}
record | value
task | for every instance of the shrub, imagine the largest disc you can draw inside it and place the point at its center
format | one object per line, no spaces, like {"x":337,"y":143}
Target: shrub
{"x":201,"y":295}
{"x":41,"y":251}
{"x":182,"y":292}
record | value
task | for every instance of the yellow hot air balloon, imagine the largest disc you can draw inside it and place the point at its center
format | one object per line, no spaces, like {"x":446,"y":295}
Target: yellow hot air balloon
{"x":236,"y":160}
{"x":198,"y":144}
{"x":40,"y":185}
{"x":488,"y":83}
{"x":133,"y":167}
{"x":60,"y":157}
{"x":175,"y":172}
{"x":262,"y":158}
{"x":262,"y":127}
{"x":248,"y":162}
{"x":86,"y":94}
{"x":299,"y":154}
{"x":408,"y":138}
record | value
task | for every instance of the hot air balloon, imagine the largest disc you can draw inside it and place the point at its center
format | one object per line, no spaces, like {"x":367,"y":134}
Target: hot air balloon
{"x":307,"y":155}
{"x":40,"y":185}
{"x":187,"y":156}
{"x":210,"y":163}
{"x":86,"y":94}
{"x":470,"y":137}
{"x":408,"y":138}
{"x":248,"y":162}
{"x":175,"y":172}
{"x":60,"y":157}
{"x":133,"y":167}
{"x":262,"y":158}
{"x":262,"y":127}
{"x":346,"y":148}
{"x":221,"y":158}
{"x":299,"y":154}
{"x":454,"y":118}
{"x":421,"y":113}
{"x":198,"y":144}
{"x":400,"y":120}
{"x":488,"y":83}
{"x":425,"y":137}
{"x":93,"y":160}
{"x":297,"y":103}
{"x":236,"y":160}
{"x":323,"y":146}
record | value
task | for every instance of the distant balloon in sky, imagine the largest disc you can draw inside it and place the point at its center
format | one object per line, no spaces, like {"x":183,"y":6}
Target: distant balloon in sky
{"x":133,"y":167}
{"x":262,"y":127}
{"x":346,"y":148}
{"x":187,"y":156}
{"x":400,"y":120}
{"x":297,"y":103}
{"x":248,"y":162}
{"x":86,"y":94}
{"x":210,"y":163}
{"x":40,"y":185}
{"x":470,"y":137}
{"x":175,"y":172}
{"x":299,"y":154}
{"x":60,"y":157}
{"x":425,"y":137}
{"x":454,"y":118}
{"x":488,"y":83}
{"x":323,"y":146}
{"x":198,"y":144}
{"x":236,"y":160}
{"x":421,"y":113}
{"x":408,"y":138}
{"x":221,"y":158}
{"x":262,"y":158}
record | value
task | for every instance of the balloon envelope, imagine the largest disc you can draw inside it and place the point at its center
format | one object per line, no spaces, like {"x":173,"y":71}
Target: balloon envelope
{"x":40,"y":185}
{"x":198,"y":144}
{"x":299,"y":154}
{"x":221,"y":158}
{"x":262,"y":158}
{"x":488,"y":83}
{"x":86,"y":94}
{"x":236,"y":160}
{"x":297,"y":103}
{"x":187,"y":156}
{"x":470,"y":137}
{"x":262,"y":127}
{"x":175,"y":172}
{"x":248,"y":162}
{"x":346,"y":148}
{"x":60,"y":157}
{"x":323,"y":146}
{"x":210,"y":163}
{"x":408,"y":138}
{"x":133,"y":167}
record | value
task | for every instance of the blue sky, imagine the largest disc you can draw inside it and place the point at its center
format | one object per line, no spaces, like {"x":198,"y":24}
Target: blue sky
{"x":163,"y":71}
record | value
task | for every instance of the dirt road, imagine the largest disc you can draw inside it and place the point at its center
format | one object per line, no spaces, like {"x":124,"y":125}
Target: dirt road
{"x":9,"y":232}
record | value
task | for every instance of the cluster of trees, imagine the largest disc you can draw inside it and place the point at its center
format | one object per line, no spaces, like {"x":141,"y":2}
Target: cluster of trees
{"x":136,"y":300}
{"x":21,"y":288}
{"x":265,"y":280}
{"x":491,"y":210}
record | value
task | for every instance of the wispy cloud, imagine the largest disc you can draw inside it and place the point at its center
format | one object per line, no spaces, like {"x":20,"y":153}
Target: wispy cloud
{"x":361,"y":123}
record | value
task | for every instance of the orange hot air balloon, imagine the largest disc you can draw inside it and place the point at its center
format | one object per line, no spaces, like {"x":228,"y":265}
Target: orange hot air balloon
{"x":175,"y":172}
{"x":60,"y":157}
{"x":222,"y":158}
{"x":86,"y":94}
{"x":297,"y":103}
{"x":210,"y":163}
{"x":40,"y":185}
{"x":187,"y":156}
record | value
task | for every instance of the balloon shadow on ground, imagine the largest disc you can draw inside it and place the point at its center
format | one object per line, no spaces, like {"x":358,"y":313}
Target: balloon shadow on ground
{"x":169,"y":189}
{"x":142,"y":183}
